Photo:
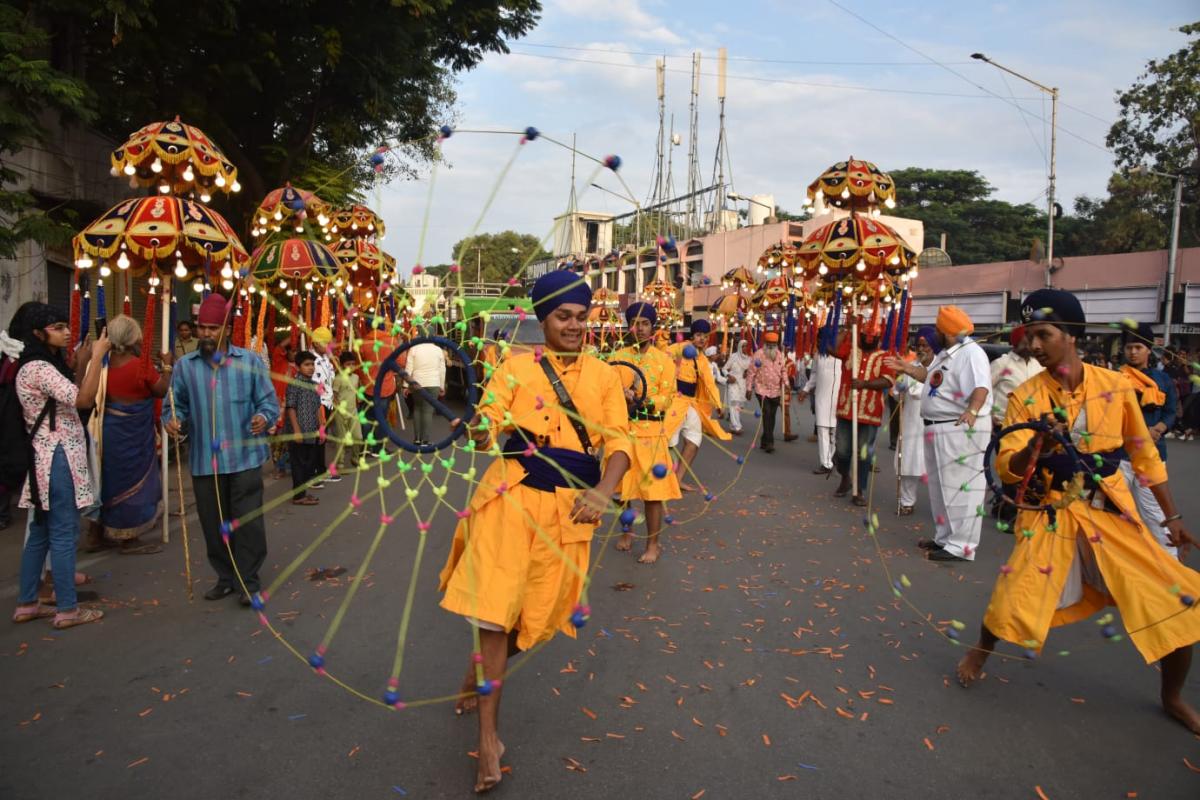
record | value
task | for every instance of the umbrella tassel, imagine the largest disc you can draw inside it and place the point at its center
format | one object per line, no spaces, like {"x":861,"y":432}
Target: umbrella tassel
{"x":76,"y":299}
{"x":148,"y":323}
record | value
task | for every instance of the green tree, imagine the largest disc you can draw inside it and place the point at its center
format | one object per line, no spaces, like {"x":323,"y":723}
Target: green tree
{"x":496,"y":257}
{"x":1134,"y":217}
{"x":32,"y":94}
{"x":1159,"y":127}
{"x":958,"y":203}
{"x":301,"y":91}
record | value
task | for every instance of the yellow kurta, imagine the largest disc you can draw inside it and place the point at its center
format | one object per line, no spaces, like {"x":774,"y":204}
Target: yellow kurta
{"x":708,"y":398}
{"x":518,"y":560}
{"x":649,"y":437}
{"x":1139,"y":577}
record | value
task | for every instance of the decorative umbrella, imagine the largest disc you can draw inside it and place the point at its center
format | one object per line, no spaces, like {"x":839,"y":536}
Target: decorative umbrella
{"x":772,"y":294}
{"x":659,"y":289}
{"x":737,"y":278}
{"x":143,"y":231}
{"x":729,"y":307}
{"x":363,"y":262}
{"x":777,"y":259}
{"x":354,"y":222}
{"x":177,"y":158}
{"x":853,"y":184}
{"x":288,"y":207}
{"x":295,"y":259}
{"x":854,"y":249}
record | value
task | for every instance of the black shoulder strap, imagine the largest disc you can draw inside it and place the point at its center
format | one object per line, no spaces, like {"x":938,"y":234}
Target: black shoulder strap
{"x":564,"y":400}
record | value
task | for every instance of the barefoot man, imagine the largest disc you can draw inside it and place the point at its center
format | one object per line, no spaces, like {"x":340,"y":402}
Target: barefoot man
{"x":519,"y":559}
{"x":650,"y":477}
{"x":1096,"y":551}
{"x":691,"y":416}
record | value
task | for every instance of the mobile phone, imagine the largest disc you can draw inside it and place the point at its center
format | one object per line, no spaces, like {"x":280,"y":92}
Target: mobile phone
{"x":101,"y":324}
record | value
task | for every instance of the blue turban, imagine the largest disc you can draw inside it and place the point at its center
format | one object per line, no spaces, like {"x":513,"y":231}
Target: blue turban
{"x":701,"y":326}
{"x":1056,"y":307}
{"x":929,"y":334}
{"x":556,"y":288}
{"x":643,"y":310}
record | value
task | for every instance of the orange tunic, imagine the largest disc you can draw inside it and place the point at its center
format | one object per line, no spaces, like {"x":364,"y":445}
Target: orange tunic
{"x":708,"y":398}
{"x":1138,"y":576}
{"x":649,"y":437}
{"x":518,"y":560}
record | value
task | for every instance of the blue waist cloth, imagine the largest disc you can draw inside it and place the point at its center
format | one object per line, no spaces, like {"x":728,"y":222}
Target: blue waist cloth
{"x":685,"y":388}
{"x":1062,"y":467}
{"x":560,"y":468}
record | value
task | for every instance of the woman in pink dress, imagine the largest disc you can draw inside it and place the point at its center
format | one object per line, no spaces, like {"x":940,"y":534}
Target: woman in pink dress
{"x":59,"y":485}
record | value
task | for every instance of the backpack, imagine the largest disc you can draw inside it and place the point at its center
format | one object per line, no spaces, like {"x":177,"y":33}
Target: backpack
{"x":16,"y":457}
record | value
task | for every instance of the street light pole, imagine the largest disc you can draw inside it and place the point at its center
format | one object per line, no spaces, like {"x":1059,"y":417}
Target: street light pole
{"x":1173,"y":246}
{"x":478,"y":264}
{"x":1053,"y":92}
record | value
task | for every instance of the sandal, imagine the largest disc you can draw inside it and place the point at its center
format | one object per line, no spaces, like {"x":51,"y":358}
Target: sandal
{"x":81,"y":616}
{"x":306,"y":501}
{"x":32,"y":612}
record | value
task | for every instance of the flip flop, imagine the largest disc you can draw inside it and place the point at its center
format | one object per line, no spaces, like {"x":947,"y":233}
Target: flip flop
{"x":39,"y":612}
{"x":81,"y":616}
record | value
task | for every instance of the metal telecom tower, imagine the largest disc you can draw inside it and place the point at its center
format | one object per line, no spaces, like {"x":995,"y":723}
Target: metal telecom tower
{"x":658,"y":192}
{"x":717,"y":218}
{"x":694,"y":209}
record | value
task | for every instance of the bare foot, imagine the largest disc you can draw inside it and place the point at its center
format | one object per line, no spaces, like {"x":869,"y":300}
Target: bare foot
{"x":1181,"y":711}
{"x":491,"y":750}
{"x":468,"y":700}
{"x":625,"y":543}
{"x":651,"y":555}
{"x":970,"y":668}
{"x":686,"y":487}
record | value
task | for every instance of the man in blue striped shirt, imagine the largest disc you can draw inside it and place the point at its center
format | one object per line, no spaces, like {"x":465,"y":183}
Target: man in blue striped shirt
{"x":223,"y":397}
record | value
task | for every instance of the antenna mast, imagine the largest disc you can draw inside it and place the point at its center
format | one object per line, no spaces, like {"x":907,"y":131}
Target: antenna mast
{"x":717,"y":220}
{"x":694,"y":221}
{"x":659,"y":191}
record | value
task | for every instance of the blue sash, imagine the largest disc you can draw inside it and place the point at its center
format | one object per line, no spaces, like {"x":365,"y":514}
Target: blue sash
{"x":560,"y":468}
{"x":1063,"y":468}
{"x":685,"y":388}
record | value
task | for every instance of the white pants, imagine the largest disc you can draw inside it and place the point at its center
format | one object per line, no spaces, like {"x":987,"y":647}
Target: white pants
{"x":690,"y":430}
{"x":957,"y":490}
{"x":825,"y":446}
{"x":908,"y":490}
{"x":1148,"y":509}
{"x":735,"y":415}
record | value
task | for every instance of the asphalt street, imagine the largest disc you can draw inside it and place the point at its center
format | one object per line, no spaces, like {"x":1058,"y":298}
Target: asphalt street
{"x":766,"y":655}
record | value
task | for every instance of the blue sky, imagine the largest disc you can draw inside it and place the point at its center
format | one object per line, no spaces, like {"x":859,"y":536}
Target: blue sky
{"x":789,"y":111}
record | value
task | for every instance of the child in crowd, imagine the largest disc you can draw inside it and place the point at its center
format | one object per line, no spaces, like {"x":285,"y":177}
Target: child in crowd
{"x":345,"y":409}
{"x":306,"y":426}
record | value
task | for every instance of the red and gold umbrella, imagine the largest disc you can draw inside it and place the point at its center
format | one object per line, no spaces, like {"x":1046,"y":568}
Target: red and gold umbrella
{"x":772,"y":294}
{"x":729,"y":307}
{"x":294,"y":259}
{"x":854,"y":248}
{"x":854,"y":184}
{"x":289,"y":208}
{"x":146,"y":230}
{"x":363,"y":262}
{"x":177,"y":158}
{"x":737,"y":278}
{"x":353,"y":223}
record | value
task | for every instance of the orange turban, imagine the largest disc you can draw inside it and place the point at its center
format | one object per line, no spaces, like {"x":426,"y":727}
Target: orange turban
{"x":953,"y":322}
{"x":771,"y":337}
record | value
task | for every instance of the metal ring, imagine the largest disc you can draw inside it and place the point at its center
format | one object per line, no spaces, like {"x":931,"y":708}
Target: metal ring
{"x":989,"y":455}
{"x":390,"y":364}
{"x":641,"y":401}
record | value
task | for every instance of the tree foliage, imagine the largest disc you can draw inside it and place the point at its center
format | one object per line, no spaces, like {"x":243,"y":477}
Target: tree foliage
{"x":958,"y":203}
{"x":299,"y":91}
{"x":1159,"y":127}
{"x":490,"y":257}
{"x":32,"y":93}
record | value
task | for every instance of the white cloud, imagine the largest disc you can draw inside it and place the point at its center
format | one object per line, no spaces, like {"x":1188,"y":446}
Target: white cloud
{"x":628,"y":15}
{"x":547,"y":86}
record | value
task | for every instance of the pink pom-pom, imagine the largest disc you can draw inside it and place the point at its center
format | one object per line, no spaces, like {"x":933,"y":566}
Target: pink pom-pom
{"x":333,"y":469}
{"x":455,"y":268}
{"x":530,"y":450}
{"x":929,"y":436}
{"x":513,"y":281}
{"x":537,"y":353}
{"x":939,"y":519}
{"x":539,"y":403}
{"x":967,"y":549}
{"x":502,"y":488}
{"x":466,"y":512}
{"x":521,"y":314}
{"x":1046,"y":570}
{"x":355,"y":501}
{"x":262,"y":619}
{"x":423,"y":526}
{"x":384,"y":519}
{"x":1095,"y":539}
{"x":925,"y":478}
{"x":477,"y":658}
{"x":417,"y":269}
{"x":1006,"y":570}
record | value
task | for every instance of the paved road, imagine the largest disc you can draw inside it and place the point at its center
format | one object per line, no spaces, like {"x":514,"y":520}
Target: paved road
{"x":683,"y":685}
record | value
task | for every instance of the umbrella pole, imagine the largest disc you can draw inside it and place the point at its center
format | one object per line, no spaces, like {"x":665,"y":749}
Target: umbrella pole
{"x":854,"y":398}
{"x":165,"y":299}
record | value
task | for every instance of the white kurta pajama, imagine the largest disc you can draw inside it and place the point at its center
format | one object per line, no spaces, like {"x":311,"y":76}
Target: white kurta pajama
{"x":954,"y":454}
{"x":910,"y":455}
{"x":735,"y":371}
{"x":823,"y":384}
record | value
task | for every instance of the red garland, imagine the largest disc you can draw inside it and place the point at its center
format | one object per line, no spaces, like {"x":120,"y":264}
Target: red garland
{"x":239,"y":326}
{"x":295,"y":322}
{"x":76,"y":309}
{"x":148,"y":330}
